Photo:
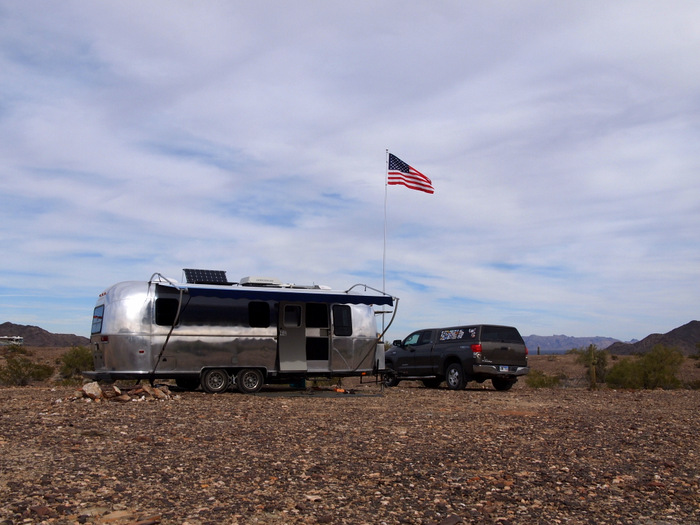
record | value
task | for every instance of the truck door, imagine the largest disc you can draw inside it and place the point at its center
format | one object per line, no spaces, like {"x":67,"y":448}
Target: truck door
{"x":292,"y":338}
{"x":424,"y":353}
{"x":415,"y":356}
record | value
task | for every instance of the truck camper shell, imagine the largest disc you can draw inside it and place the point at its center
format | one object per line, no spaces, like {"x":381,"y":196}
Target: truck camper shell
{"x":214,"y":333}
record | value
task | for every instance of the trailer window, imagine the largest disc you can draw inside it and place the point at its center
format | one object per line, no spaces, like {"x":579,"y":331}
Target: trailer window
{"x":97,"y":316}
{"x":317,"y":349}
{"x":316,"y":315}
{"x":292,"y":315}
{"x":258,"y":314}
{"x":342,"y":320}
{"x":166,"y":310}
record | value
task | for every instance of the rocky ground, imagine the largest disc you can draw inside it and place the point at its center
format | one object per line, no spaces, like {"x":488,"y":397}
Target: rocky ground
{"x":403,"y":455}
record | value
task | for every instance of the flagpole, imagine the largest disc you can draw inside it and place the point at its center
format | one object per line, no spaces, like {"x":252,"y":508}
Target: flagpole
{"x":386,"y":186}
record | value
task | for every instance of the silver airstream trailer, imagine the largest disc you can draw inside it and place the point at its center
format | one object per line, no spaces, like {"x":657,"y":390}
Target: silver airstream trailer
{"x":209,"y":332}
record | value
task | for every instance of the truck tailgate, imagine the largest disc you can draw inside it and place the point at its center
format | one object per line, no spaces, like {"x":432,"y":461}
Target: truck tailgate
{"x":504,"y":354}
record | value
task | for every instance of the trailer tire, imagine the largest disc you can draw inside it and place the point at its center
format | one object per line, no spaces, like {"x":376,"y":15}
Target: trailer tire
{"x":215,"y":380}
{"x":250,"y":380}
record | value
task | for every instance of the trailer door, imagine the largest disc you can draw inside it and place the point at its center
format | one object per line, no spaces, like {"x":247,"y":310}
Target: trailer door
{"x":292,"y":338}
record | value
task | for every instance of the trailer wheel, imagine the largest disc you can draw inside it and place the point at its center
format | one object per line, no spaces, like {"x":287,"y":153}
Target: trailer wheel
{"x":454,"y":376}
{"x":249,"y":380}
{"x":215,"y":380}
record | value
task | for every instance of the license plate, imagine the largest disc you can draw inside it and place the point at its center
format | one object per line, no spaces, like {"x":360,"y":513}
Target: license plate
{"x":504,"y":369}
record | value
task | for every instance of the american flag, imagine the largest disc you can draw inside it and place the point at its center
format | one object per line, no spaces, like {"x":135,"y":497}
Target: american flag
{"x":402,"y":174}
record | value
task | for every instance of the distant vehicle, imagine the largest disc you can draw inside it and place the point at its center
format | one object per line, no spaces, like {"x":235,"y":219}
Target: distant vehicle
{"x":458,"y":355}
{"x":211,"y":333}
{"x":7,"y":340}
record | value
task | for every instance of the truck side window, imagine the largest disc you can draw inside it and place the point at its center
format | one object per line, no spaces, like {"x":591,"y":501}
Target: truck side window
{"x":412,"y":339}
{"x":425,"y":337}
{"x":342,"y":320}
{"x":258,"y":314}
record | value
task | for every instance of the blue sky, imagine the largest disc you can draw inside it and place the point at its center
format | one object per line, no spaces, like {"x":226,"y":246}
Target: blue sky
{"x":561,"y":139}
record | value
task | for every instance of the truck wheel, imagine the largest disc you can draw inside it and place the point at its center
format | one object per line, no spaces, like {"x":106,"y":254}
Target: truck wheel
{"x":390,"y":378}
{"x":215,"y":380}
{"x":454,"y":376}
{"x":249,"y":380}
{"x":432,"y":382}
{"x":502,"y":383}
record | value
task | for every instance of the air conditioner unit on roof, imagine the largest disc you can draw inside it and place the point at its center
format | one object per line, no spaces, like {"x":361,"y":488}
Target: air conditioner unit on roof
{"x":260,"y":281}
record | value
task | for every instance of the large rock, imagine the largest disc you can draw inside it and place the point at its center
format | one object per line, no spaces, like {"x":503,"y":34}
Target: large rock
{"x":95,"y":392}
{"x":92,"y":390}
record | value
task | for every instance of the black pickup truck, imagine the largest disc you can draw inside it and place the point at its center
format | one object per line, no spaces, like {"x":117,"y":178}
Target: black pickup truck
{"x":458,"y":355}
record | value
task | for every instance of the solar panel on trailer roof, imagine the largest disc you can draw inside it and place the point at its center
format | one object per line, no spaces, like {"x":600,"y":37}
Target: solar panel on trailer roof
{"x":197,"y":276}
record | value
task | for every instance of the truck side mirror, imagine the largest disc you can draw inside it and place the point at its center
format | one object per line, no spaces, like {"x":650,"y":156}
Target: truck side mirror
{"x":397,"y":342}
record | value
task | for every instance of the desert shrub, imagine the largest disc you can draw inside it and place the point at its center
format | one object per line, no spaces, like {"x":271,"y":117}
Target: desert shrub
{"x":20,"y":370}
{"x":655,"y":369}
{"x":538,"y":379}
{"x":696,"y":355}
{"x":595,"y":361}
{"x":660,"y":367}
{"x":75,"y":362}
{"x":625,"y":374}
{"x":14,"y":349}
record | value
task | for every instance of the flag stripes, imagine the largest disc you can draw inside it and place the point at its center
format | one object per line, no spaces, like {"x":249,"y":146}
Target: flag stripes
{"x":401,"y":174}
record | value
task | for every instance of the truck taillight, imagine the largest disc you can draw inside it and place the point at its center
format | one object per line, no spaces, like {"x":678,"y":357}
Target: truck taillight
{"x":476,"y":349}
{"x":527,"y":352}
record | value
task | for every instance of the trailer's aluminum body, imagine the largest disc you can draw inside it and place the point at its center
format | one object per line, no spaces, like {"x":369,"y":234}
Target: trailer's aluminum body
{"x":165,"y":329}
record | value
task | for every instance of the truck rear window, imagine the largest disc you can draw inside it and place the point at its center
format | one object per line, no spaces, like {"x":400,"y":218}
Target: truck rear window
{"x":500,"y":334}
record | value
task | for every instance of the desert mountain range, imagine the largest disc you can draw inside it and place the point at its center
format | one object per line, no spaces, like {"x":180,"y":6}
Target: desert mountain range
{"x":685,"y":338}
{"x":35,"y":336}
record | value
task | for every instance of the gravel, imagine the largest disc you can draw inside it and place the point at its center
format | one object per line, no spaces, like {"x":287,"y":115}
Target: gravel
{"x":406,"y":455}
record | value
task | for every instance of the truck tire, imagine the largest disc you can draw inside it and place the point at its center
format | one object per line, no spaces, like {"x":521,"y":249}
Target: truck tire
{"x":502,"y":383}
{"x":250,"y":380}
{"x":390,"y":378}
{"x":215,"y":380}
{"x":454,"y":376}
